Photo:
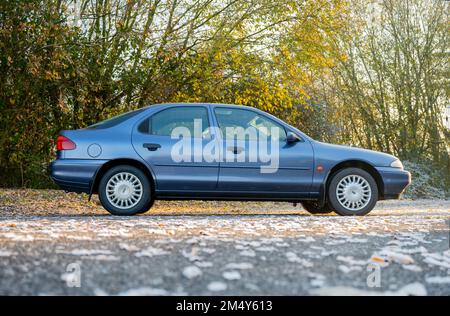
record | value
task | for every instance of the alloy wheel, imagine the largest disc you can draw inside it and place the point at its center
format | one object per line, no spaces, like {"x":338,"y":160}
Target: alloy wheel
{"x":124,"y":190}
{"x":353,"y":192}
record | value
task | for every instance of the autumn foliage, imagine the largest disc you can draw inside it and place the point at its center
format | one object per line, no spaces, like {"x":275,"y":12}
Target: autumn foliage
{"x":67,"y":64}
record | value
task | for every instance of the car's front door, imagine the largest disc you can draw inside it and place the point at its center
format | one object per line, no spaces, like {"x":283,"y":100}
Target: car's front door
{"x":260,"y":160}
{"x":175,"y":157}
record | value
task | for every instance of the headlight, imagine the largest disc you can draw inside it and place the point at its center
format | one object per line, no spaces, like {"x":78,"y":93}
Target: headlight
{"x":397,"y":164}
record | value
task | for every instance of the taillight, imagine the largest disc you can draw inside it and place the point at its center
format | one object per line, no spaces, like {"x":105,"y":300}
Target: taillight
{"x":63,"y":143}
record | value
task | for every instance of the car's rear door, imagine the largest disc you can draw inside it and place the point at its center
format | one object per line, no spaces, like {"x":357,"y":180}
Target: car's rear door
{"x":178,"y":163}
{"x":267,"y":175}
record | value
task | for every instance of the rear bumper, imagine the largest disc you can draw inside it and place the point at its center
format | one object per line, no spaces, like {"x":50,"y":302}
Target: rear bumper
{"x":75,"y":175}
{"x":395,"y":181}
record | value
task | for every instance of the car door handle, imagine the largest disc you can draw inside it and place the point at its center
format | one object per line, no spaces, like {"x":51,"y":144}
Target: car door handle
{"x":151,"y":147}
{"x":236,"y":150}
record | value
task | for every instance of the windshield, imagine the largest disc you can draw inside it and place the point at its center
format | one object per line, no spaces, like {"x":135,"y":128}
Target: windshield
{"x":115,"y":120}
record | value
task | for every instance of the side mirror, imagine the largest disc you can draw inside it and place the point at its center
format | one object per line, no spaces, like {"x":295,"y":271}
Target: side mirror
{"x":292,"y":138}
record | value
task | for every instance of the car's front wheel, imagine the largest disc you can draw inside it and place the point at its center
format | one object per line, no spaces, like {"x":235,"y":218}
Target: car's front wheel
{"x":352,"y":191}
{"x":125,"y":190}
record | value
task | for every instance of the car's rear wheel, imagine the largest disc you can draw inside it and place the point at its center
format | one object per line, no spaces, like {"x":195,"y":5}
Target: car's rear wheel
{"x":314,"y":208}
{"x":125,"y":190}
{"x":149,"y":207}
{"x":352,"y":191}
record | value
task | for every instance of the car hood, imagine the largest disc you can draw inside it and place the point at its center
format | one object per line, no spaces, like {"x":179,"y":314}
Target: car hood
{"x":342,"y":153}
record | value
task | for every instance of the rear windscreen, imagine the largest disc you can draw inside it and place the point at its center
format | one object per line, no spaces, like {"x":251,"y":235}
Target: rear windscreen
{"x":115,"y":120}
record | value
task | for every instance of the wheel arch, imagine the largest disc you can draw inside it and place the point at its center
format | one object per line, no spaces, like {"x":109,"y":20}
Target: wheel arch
{"x":354,"y":163}
{"x":116,"y":162}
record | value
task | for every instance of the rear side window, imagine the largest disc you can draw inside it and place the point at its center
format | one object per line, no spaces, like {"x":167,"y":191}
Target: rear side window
{"x":164,"y":122}
{"x":115,"y":120}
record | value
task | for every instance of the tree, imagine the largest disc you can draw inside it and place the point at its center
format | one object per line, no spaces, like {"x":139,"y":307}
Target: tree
{"x":393,"y":87}
{"x":67,"y":64}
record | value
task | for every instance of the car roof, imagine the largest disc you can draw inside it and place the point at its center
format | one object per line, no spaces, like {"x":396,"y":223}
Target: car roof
{"x":210,"y":104}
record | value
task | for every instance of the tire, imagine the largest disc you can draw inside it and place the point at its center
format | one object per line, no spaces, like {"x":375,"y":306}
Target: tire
{"x":313,"y":208}
{"x":352,"y":192}
{"x":125,"y":190}
{"x":149,"y":207}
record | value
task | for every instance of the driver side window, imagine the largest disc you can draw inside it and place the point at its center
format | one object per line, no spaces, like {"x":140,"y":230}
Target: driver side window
{"x":231,"y":120}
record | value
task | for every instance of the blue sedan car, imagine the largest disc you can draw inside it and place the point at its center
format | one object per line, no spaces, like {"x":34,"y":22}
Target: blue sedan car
{"x":219,"y":152}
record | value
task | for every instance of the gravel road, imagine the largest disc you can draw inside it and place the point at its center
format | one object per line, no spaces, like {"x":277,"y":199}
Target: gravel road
{"x":49,"y":246}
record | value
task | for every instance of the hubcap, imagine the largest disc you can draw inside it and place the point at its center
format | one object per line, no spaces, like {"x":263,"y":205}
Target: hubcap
{"x":124,"y":190}
{"x":353,"y":192}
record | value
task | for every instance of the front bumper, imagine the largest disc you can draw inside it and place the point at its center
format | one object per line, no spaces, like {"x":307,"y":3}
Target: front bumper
{"x":395,"y":181}
{"x":75,"y":175}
